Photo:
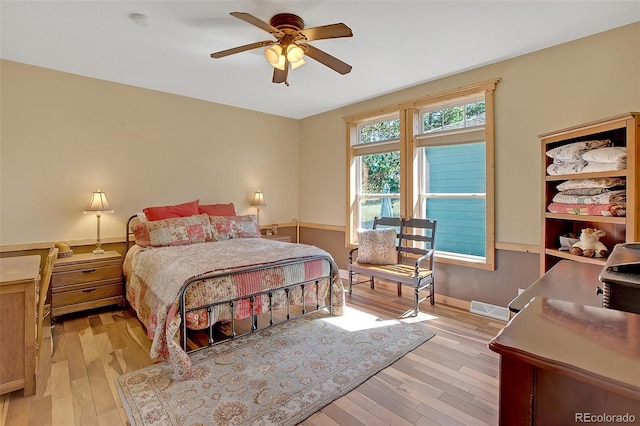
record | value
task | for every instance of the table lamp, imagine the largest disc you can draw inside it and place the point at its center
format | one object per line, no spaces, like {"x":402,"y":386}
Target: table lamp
{"x":98,"y":205}
{"x":258,"y":201}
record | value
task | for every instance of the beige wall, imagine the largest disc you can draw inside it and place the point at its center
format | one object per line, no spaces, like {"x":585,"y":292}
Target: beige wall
{"x":63,"y":136}
{"x":569,"y":84}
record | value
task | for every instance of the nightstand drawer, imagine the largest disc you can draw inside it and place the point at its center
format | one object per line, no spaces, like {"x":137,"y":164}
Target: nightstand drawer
{"x":89,"y":273}
{"x":85,"y":285}
{"x":86,"y":295}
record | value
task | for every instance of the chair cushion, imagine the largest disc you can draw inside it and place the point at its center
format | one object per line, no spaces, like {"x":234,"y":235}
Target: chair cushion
{"x":377,"y":246}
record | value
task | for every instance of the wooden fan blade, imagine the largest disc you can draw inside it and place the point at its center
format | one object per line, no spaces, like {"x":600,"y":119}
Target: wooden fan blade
{"x":246,"y":17}
{"x":280,"y":76}
{"x":327,"y":31}
{"x":239,"y":49}
{"x":324,"y":58}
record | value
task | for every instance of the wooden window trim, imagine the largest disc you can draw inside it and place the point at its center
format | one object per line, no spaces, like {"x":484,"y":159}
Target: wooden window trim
{"x":410,"y":138}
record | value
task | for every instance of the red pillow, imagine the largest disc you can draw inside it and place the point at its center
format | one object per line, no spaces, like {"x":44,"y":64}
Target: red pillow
{"x":167,"y":212}
{"x":218,"y":209}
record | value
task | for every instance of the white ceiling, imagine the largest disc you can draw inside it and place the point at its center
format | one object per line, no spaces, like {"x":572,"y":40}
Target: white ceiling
{"x":396,"y":44}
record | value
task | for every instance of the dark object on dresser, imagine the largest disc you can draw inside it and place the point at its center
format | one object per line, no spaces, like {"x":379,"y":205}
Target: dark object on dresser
{"x":621,"y":278}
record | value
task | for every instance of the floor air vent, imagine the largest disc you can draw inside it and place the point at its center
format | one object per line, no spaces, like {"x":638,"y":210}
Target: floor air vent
{"x":493,"y":311}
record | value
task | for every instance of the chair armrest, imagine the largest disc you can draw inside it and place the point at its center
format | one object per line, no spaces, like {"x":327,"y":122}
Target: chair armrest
{"x":424,"y":257}
{"x":351,"y":254}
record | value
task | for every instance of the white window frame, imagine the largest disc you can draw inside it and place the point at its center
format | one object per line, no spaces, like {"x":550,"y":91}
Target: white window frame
{"x":423,"y":195}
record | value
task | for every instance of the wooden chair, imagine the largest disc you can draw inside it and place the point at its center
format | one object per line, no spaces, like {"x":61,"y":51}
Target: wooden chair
{"x":45,"y":280}
{"x":414,"y":267}
{"x":422,"y":232}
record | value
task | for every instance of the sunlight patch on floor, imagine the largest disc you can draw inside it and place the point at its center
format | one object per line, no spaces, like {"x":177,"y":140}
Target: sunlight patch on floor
{"x":408,"y":317}
{"x":355,"y":320}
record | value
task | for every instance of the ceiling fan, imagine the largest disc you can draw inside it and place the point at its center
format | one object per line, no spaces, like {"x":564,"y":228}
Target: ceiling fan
{"x":288,"y":50}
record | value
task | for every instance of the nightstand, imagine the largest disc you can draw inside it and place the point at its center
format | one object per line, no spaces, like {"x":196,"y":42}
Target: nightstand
{"x":86,"y":281}
{"x":285,"y":238}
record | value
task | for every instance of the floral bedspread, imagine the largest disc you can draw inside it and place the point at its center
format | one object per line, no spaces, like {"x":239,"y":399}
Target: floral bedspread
{"x":155,"y":277}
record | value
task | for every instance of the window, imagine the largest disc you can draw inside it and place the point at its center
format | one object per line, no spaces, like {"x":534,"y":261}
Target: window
{"x":429,"y":158}
{"x":377,"y":166}
{"x":452,"y":176}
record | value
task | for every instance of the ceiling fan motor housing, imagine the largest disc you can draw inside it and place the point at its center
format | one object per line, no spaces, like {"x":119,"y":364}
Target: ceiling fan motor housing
{"x":287,"y":21}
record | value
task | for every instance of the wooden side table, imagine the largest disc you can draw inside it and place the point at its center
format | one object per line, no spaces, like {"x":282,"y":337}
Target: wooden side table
{"x":285,"y":238}
{"x":19,"y":277}
{"x":86,"y":281}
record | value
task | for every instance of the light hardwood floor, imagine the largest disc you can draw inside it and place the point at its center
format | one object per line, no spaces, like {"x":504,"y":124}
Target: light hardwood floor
{"x":450,"y":380}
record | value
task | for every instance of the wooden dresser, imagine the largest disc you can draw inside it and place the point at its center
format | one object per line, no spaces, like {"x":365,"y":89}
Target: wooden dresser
{"x":563,"y":363}
{"x":19,"y":277}
{"x":86,"y":281}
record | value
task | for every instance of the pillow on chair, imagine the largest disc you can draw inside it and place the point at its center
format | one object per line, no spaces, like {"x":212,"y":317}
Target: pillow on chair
{"x":377,"y":246}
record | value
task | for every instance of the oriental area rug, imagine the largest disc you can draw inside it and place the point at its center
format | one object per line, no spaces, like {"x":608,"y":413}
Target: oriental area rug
{"x":277,"y":376}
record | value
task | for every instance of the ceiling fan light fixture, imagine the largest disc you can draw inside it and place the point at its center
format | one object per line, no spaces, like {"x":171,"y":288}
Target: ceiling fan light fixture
{"x":273,"y":54}
{"x":294,"y":53}
{"x":287,"y":52}
{"x":281,"y":64}
{"x":298,"y":64}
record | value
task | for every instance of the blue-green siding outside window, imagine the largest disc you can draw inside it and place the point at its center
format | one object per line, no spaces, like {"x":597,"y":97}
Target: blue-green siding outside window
{"x":457,"y":169}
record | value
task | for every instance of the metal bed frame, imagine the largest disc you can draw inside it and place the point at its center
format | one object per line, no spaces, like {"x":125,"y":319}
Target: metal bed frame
{"x":251,"y":297}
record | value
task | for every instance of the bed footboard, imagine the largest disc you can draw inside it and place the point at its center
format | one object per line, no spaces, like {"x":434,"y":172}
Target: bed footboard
{"x":306,"y":308}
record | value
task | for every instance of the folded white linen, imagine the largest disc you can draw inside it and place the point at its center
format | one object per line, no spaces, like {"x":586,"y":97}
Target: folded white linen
{"x":593,"y":166}
{"x":612,"y":154}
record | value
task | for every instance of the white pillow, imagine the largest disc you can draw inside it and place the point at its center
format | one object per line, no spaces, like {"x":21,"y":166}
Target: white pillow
{"x":377,"y":246}
{"x":612,"y":154}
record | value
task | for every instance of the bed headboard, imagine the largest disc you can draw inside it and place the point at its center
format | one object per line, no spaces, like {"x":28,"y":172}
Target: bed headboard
{"x":132,"y":221}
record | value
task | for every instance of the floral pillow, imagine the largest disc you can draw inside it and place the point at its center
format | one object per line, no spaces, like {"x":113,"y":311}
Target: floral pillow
{"x":220,"y":228}
{"x":245,"y":226}
{"x":227,"y":227}
{"x":573,"y":151}
{"x":176,"y":231}
{"x":377,"y":246}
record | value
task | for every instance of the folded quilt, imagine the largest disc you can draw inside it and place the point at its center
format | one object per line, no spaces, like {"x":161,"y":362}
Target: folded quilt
{"x":612,"y":209}
{"x":609,"y":197}
{"x":585,"y":191}
{"x":603,"y":182}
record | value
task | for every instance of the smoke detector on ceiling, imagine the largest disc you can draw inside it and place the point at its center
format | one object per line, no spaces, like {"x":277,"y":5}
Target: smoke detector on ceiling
{"x":140,"y":19}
